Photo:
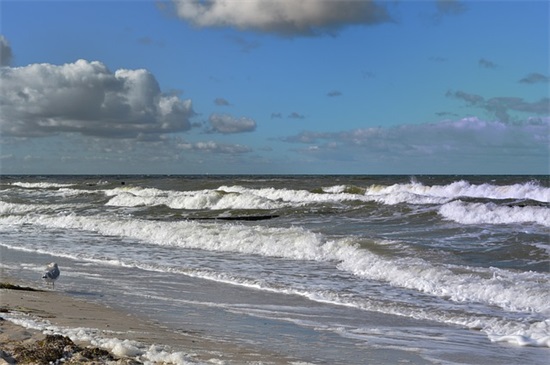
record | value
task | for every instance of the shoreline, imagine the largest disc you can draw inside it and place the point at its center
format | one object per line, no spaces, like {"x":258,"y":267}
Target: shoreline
{"x":28,"y":315}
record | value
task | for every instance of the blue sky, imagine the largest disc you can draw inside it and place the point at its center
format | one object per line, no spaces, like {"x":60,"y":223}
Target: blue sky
{"x":275,"y":86}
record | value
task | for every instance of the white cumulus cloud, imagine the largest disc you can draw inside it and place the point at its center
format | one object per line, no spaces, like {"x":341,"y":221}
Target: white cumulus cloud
{"x":214,"y":147}
{"x":466,"y":142}
{"x":284,"y":17}
{"x":86,"y":97}
{"x":224,"y":123}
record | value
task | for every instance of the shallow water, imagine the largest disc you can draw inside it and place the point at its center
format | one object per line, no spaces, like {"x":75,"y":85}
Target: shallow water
{"x":450,"y":269}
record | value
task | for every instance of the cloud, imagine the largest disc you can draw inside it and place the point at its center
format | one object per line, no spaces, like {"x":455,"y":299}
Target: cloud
{"x":295,"y":115}
{"x":276,"y":115}
{"x":446,"y":114}
{"x":244,"y":44}
{"x":445,"y":8}
{"x":282,"y":17}
{"x":226,"y":124}
{"x":504,"y":104}
{"x":334,"y":93}
{"x":450,"y":7}
{"x":534,"y":78}
{"x":214,"y":147}
{"x":147,"y":41}
{"x":309,"y":137}
{"x":470,"y":139}
{"x":438,"y":59}
{"x":221,"y":102}
{"x":486,"y":63}
{"x":501,"y":107}
{"x":85,"y":97}
{"x":368,"y":74}
{"x":6,"y":54}
{"x":472,"y":99}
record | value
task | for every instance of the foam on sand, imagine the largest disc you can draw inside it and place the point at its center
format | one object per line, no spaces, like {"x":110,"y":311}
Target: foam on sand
{"x":121,"y":334}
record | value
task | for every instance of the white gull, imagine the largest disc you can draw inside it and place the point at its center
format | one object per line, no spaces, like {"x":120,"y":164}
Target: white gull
{"x":52,"y":273}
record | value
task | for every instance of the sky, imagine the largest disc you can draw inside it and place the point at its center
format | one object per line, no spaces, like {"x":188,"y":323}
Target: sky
{"x":274,"y":87}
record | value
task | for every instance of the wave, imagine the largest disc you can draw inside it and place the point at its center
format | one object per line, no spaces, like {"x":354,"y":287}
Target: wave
{"x":11,"y":208}
{"x":7,"y":208}
{"x":192,"y":200}
{"x":459,"y":189}
{"x":524,"y":333}
{"x":511,"y":291}
{"x":491,"y":213}
{"x":498,"y":330}
{"x":40,"y":185}
{"x":530,"y":190}
{"x":239,"y":197}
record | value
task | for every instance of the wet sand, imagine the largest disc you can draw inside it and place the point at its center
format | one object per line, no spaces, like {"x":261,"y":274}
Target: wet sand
{"x":28,"y":316}
{"x":59,"y":311}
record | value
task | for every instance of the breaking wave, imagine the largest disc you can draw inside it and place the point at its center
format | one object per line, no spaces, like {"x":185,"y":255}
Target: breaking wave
{"x":491,"y":213}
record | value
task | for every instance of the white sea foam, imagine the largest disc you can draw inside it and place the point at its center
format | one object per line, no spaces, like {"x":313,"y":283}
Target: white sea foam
{"x":508,"y":290}
{"x":68,"y":192}
{"x":270,"y":198}
{"x":507,"y":305}
{"x":289,"y":195}
{"x":10,"y":208}
{"x":417,"y":193}
{"x":40,"y":185}
{"x":119,"y":347}
{"x":239,"y":197}
{"x":16,"y":209}
{"x":529,"y":190}
{"x":202,"y":199}
{"x":511,"y":293}
{"x":533,"y":334}
{"x":498,"y":330}
{"x":490,"y":213}
{"x":337,"y":194}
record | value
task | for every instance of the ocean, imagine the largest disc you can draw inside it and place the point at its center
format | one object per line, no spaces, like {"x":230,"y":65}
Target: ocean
{"x":323,"y":269}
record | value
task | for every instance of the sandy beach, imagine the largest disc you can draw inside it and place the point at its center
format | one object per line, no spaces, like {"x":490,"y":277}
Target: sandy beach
{"x":29,"y":315}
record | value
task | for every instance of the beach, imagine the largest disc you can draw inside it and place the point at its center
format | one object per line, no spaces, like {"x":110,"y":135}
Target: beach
{"x":339,"y":270}
{"x":29,"y":315}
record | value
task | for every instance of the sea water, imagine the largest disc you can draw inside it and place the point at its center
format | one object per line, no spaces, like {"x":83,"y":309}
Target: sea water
{"x":323,"y":269}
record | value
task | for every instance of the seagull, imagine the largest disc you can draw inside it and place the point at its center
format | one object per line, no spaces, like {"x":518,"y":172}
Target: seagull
{"x":52,"y":273}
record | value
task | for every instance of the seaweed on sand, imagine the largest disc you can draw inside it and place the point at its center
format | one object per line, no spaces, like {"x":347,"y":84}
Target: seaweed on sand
{"x":17,"y":287}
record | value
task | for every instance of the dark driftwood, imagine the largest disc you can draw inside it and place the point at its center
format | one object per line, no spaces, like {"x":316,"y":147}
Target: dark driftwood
{"x":239,"y":218}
